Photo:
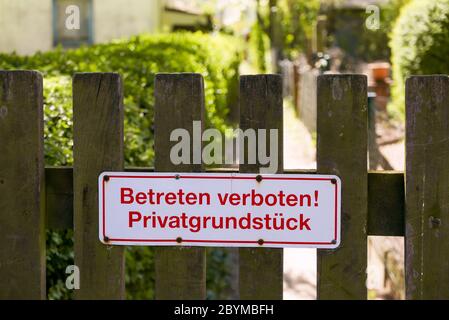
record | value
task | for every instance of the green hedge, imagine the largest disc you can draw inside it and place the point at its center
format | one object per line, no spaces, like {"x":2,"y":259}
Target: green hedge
{"x":420,"y":45}
{"x":217,"y":57}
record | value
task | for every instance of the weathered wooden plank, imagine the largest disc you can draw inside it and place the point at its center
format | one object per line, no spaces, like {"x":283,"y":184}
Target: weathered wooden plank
{"x":386,"y":201}
{"x":261,"y":269}
{"x":342,"y":150}
{"x":385,"y":213}
{"x":22,"y":219}
{"x":98,"y":147}
{"x":427,"y":187}
{"x":179,"y":100}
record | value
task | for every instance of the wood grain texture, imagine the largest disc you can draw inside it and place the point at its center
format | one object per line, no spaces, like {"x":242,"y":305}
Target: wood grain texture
{"x":261,"y":269}
{"x":427,"y":187}
{"x":179,"y":100}
{"x":98,"y":147}
{"x":342,"y":150}
{"x":385,"y":214}
{"x":22,"y":219}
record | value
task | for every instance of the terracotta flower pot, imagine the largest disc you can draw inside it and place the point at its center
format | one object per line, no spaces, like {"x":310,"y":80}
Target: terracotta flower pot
{"x":380,"y":71}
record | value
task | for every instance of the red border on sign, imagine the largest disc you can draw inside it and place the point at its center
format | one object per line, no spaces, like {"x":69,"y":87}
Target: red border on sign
{"x":221,"y":241}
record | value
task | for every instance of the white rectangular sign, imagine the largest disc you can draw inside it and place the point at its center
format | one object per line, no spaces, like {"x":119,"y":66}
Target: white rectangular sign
{"x":219,"y":209}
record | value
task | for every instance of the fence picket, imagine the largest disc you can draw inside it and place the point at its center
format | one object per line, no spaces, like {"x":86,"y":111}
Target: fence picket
{"x":98,"y":147}
{"x":427,"y":187}
{"x":342,"y":128}
{"x":22,"y":218}
{"x":179,"y":100}
{"x":261,"y":269}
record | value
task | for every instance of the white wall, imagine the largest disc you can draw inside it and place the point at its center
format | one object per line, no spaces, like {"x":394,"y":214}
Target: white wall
{"x":25,"y":26}
{"x":122,"y":18}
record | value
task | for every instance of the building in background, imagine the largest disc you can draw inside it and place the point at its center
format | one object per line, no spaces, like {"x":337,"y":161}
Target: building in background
{"x":183,"y":15}
{"x":28,"y":26}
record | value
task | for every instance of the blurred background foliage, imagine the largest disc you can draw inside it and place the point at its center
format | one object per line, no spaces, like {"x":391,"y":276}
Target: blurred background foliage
{"x":288,"y":24}
{"x":289,"y":28}
{"x":347,"y":30}
{"x":216,"y":57}
{"x":420,"y":45}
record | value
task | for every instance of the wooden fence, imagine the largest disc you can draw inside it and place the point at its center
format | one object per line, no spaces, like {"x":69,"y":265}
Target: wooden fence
{"x":33,"y":197}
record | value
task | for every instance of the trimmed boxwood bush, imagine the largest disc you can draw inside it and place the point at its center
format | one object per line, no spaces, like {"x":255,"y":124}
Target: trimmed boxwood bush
{"x":217,"y":57}
{"x":420,"y":44}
